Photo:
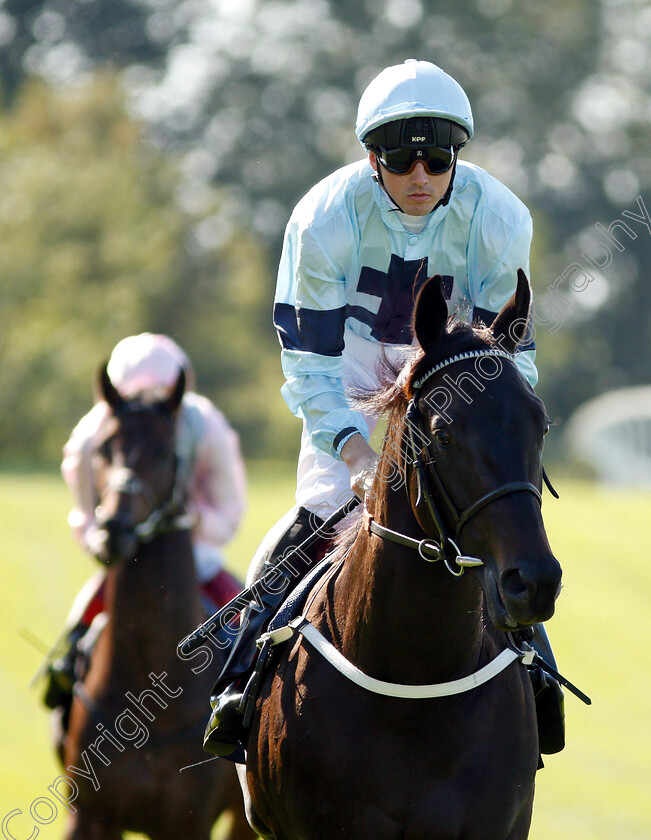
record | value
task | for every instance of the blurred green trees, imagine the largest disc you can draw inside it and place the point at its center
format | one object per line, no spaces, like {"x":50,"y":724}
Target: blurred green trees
{"x":237,"y":109}
{"x":100,"y":237}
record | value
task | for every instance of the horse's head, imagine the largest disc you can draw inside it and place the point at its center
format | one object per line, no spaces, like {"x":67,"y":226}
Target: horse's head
{"x":134,"y":469}
{"x":477,"y":429}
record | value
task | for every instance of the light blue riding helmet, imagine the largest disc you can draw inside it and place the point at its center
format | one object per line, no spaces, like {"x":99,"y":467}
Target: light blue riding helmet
{"x":414,"y":89}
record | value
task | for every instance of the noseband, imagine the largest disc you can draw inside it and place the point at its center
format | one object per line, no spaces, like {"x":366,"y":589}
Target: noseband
{"x":164,"y":517}
{"x":418,"y":456}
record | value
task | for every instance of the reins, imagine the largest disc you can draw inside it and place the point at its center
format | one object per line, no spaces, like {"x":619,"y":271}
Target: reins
{"x":443,"y":547}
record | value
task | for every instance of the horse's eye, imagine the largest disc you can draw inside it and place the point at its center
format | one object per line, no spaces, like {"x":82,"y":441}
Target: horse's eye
{"x":546,"y":428}
{"x":442,"y":437}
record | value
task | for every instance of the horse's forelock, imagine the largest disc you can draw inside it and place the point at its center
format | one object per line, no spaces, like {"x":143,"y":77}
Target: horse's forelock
{"x":142,"y":408}
{"x":458,"y":338}
{"x":390,"y":392}
{"x":396,"y":389}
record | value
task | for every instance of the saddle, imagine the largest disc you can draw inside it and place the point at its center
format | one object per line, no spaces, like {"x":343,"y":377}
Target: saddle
{"x":266,"y":658}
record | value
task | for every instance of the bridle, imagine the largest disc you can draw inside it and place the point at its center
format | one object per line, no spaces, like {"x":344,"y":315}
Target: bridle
{"x":418,"y":457}
{"x":163,"y":518}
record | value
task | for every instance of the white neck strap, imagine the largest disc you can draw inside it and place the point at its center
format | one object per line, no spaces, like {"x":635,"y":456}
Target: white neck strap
{"x":410,"y":692}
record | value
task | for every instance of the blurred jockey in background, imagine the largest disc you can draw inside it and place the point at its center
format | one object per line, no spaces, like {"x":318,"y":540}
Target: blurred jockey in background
{"x":147,"y":367}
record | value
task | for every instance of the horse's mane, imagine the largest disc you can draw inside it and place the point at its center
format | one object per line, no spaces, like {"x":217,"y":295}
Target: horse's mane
{"x":396,"y":382}
{"x":396,"y":389}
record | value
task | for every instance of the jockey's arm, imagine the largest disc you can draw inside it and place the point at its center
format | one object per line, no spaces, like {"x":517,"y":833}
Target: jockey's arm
{"x":77,"y":472}
{"x":218,"y":488}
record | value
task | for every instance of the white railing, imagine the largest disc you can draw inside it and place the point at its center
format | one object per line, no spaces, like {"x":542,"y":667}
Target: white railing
{"x":612,"y":433}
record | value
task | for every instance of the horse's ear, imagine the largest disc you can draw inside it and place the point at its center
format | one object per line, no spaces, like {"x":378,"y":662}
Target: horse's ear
{"x":105,"y":390}
{"x":430,"y":313}
{"x":174,"y":400}
{"x":510,"y":322}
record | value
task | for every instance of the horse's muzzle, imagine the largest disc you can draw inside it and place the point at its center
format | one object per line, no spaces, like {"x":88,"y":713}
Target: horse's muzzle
{"x":529,"y":591}
{"x":116,"y":540}
{"x":522,"y":594}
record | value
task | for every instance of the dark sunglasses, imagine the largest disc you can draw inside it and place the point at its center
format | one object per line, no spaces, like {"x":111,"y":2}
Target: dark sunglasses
{"x":402,"y":161}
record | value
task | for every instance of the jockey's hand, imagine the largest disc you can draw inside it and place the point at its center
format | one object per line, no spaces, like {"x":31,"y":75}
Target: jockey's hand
{"x":361,"y":460}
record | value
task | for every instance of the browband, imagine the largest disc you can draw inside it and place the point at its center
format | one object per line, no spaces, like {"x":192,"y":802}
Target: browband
{"x":469,"y":354}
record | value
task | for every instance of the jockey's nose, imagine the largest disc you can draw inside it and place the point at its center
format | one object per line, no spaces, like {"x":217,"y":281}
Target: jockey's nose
{"x":419,"y":174}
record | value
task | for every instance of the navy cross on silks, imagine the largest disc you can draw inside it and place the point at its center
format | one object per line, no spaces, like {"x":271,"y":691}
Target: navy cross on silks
{"x":397,"y":289}
{"x":321,"y":331}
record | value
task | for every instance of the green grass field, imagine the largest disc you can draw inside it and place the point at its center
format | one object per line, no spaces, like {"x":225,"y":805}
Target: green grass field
{"x":596,"y":789}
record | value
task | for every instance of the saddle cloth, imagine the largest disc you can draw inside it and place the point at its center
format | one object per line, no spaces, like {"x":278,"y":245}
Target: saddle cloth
{"x":291,"y":607}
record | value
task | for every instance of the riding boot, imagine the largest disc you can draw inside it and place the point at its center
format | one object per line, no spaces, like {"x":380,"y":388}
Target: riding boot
{"x":61,"y":672}
{"x":550,"y":702}
{"x":88,"y":604}
{"x":225,"y":730}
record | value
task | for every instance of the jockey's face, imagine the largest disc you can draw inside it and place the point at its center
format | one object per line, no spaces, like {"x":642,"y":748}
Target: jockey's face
{"x":417,"y":192}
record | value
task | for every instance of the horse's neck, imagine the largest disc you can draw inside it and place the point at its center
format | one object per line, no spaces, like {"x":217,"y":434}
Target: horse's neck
{"x":153,"y":603}
{"x":405,"y":619}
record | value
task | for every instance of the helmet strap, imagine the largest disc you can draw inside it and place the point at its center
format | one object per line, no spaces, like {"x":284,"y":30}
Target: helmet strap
{"x":380,"y":180}
{"x":448,"y":193}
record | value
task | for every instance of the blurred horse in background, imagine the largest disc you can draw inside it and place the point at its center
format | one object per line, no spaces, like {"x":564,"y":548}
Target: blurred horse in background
{"x":137,"y":718}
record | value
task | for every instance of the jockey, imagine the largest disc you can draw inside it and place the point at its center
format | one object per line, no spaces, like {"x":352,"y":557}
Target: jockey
{"x":357,"y":249}
{"x":146,"y":367}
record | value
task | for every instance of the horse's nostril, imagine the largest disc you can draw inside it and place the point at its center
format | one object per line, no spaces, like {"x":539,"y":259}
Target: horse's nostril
{"x":530,"y":597}
{"x":517,"y":586}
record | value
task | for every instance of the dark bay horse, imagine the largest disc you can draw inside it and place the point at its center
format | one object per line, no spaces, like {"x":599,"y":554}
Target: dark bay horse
{"x":437,"y":738}
{"x":139,"y":714}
